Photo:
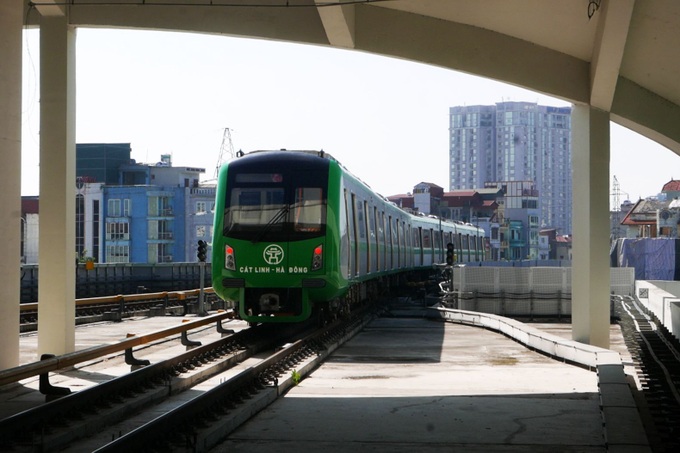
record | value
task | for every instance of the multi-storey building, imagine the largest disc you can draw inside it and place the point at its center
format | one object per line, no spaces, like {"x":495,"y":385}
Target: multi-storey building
{"x":128,"y":212}
{"x":515,"y":141}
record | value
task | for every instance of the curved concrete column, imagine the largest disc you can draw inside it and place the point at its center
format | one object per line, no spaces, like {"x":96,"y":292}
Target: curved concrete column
{"x":57,"y":256}
{"x":590,"y":253}
{"x":11,"y":13}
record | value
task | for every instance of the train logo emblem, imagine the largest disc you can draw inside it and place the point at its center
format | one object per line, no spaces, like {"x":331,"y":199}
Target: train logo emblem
{"x":273,"y":254}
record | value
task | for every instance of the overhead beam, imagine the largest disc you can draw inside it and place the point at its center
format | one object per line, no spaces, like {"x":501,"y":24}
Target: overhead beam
{"x":51,"y":8}
{"x":647,"y":113}
{"x":338,"y":21}
{"x":610,"y":42}
{"x":473,"y":50}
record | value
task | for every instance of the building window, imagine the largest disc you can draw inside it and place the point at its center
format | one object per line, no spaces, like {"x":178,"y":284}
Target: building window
{"x":200,"y":231}
{"x":200,"y":207}
{"x":95,"y":229}
{"x":80,"y":226}
{"x":117,"y":253}
{"x":114,"y":207}
{"x":160,"y":253}
{"x":160,"y":206}
{"x":117,"y":231}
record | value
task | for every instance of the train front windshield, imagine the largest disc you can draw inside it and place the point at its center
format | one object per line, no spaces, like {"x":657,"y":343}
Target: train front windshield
{"x":275,"y":207}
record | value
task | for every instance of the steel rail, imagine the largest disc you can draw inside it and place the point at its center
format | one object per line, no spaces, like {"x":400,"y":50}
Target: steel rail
{"x":70,"y":404}
{"x":18,"y":373}
{"x":163,"y":425}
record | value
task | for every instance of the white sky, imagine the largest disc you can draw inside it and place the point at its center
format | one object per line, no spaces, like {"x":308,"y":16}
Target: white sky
{"x":386,"y":120}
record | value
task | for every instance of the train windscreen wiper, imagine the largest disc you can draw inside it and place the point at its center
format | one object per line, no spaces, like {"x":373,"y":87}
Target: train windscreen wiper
{"x":281,"y":213}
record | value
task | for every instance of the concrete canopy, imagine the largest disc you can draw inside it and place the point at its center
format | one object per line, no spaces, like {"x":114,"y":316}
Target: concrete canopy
{"x":616,"y":56}
{"x":614,"y":60}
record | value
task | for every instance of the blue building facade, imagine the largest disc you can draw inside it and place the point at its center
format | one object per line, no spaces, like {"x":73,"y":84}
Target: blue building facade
{"x":156,"y":224}
{"x":129,"y":212}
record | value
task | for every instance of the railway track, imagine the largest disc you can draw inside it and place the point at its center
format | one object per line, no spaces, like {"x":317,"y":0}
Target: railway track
{"x":656,"y":353}
{"x":231,"y":378}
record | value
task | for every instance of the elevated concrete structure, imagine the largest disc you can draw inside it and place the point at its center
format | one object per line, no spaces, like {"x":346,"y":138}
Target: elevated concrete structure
{"x":615,"y":60}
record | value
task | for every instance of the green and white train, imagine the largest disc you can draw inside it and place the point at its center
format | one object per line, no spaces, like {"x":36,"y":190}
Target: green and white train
{"x":295,"y":234}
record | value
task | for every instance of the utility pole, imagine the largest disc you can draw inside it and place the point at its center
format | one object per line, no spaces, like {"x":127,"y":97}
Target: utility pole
{"x":616,"y":193}
{"x":227,"y":148}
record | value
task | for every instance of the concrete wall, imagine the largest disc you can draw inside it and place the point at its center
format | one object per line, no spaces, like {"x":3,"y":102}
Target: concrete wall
{"x":663,"y":299}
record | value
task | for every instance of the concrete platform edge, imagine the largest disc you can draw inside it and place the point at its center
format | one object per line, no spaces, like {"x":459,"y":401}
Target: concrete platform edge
{"x":622,"y":425}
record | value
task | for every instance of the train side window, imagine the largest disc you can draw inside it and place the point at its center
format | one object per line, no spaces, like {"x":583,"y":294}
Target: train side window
{"x":360,"y":220}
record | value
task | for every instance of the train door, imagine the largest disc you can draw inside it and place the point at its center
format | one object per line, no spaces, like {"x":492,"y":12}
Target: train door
{"x":382,"y":233}
{"x":390,"y":240}
{"x":397,"y":229}
{"x":482,"y":248}
{"x":466,"y":247}
{"x":375,"y":262}
{"x":459,"y":246}
{"x":417,"y":232}
{"x":402,"y":245}
{"x":409,"y":245}
{"x":475,"y":248}
{"x":427,"y":247}
{"x":369,"y":237}
{"x":361,"y":249}
{"x":351,"y":233}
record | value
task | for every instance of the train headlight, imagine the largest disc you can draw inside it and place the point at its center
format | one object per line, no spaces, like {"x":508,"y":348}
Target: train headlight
{"x":229,"y":261}
{"x":317,"y":258}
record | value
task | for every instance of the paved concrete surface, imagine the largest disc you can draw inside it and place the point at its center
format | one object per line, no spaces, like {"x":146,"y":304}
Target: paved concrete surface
{"x":420,"y":385}
{"x":403,"y":384}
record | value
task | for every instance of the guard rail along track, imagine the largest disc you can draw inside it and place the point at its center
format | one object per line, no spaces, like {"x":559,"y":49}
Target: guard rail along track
{"x":656,"y":353}
{"x":60,"y":422}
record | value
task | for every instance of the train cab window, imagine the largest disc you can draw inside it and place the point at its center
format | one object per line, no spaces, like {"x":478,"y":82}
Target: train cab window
{"x":254,"y":206}
{"x":308,"y":210}
{"x":258,"y":212}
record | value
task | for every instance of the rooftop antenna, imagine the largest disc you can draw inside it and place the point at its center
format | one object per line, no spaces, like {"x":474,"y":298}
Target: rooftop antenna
{"x":227,"y":148}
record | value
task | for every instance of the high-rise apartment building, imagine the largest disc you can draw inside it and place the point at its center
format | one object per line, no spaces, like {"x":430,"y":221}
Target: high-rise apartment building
{"x":515,"y":141}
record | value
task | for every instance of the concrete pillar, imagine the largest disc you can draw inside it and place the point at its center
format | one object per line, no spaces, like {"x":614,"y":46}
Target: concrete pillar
{"x":590,"y":264}
{"x":11,"y":17}
{"x":57,"y":256}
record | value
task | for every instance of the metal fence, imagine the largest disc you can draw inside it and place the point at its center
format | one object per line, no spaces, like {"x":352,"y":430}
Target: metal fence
{"x":110,"y":279}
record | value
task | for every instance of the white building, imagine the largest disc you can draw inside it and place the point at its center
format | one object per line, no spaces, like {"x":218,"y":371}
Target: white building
{"x":515,"y":141}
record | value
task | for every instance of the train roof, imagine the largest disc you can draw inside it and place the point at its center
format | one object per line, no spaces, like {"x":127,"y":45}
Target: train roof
{"x":292,"y":152}
{"x":310,"y":154}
